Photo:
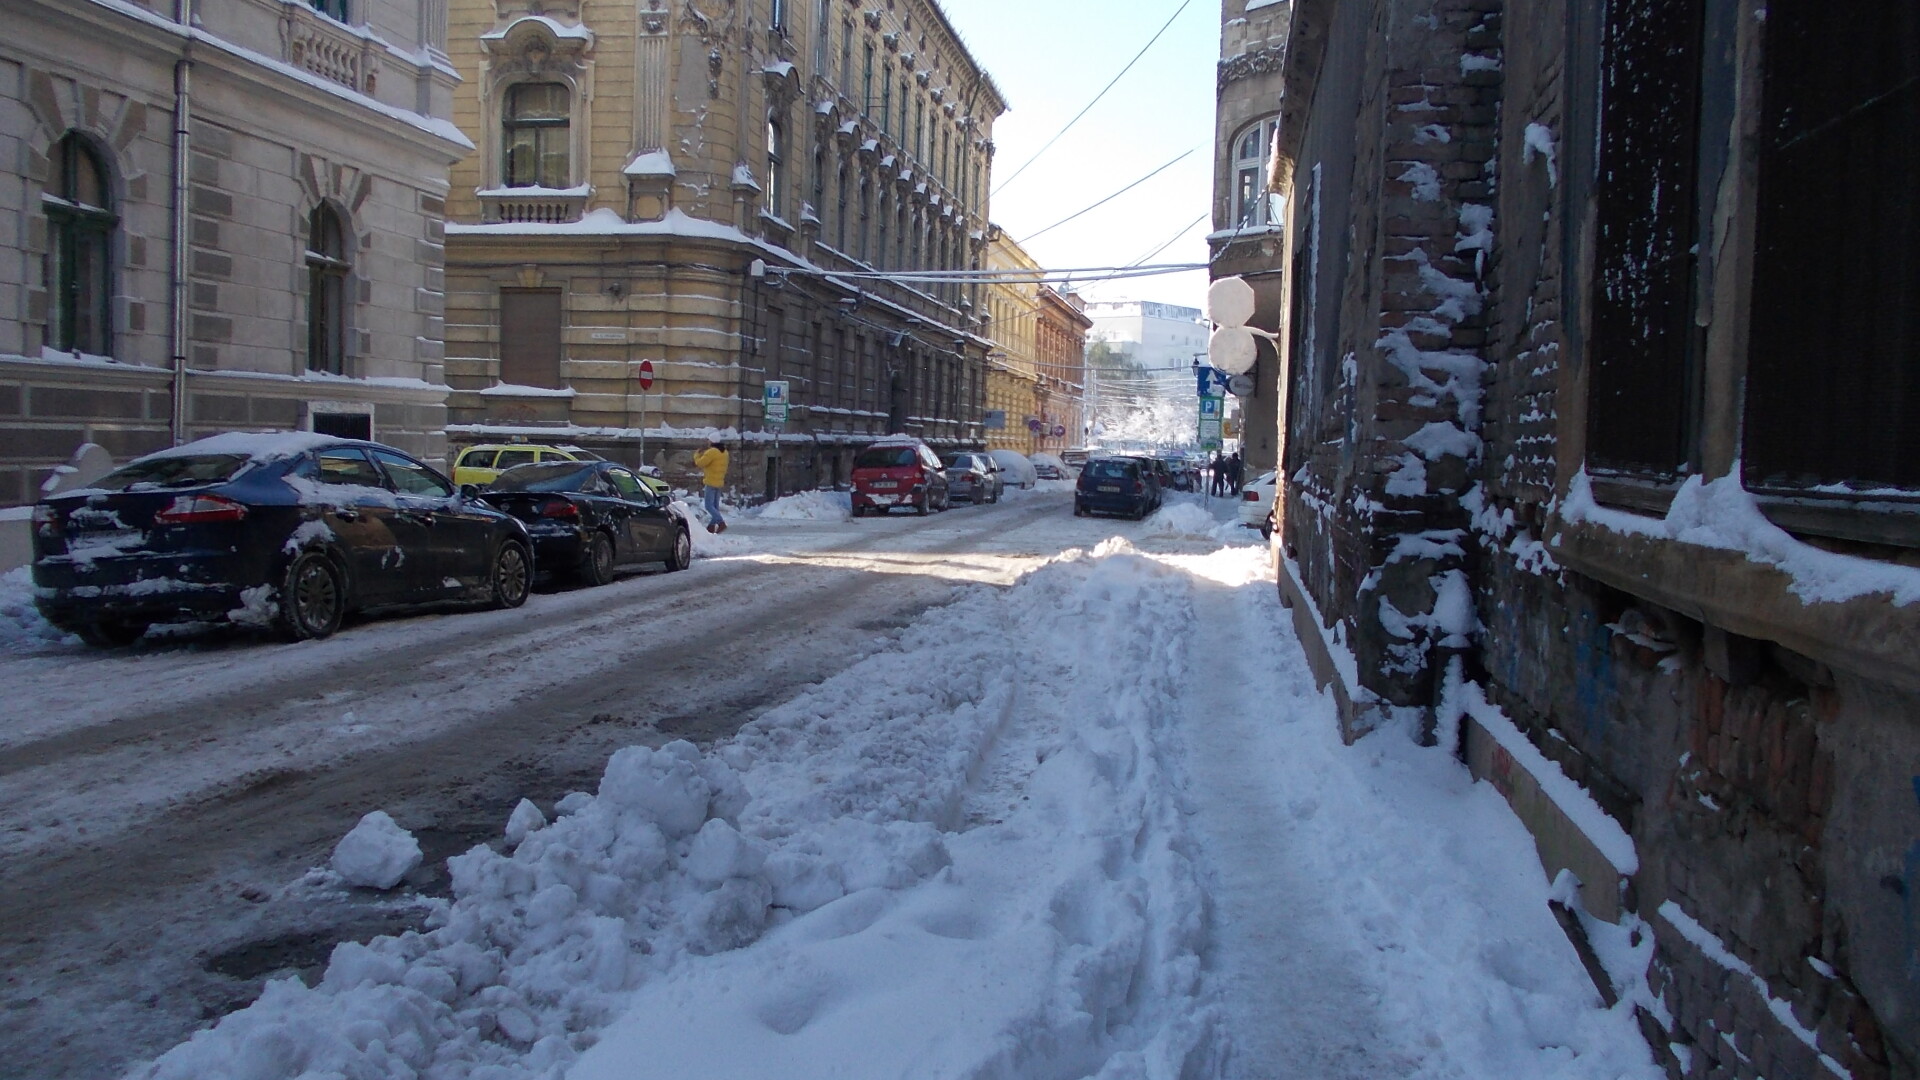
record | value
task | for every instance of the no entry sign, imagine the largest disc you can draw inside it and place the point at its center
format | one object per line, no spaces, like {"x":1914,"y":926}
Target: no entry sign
{"x":646,"y":374}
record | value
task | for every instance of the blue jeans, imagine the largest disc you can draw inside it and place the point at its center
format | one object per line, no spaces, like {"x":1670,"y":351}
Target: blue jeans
{"x":710,"y":498}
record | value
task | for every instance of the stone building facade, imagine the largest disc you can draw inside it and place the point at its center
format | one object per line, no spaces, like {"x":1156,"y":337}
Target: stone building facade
{"x":731,"y":192}
{"x":1060,"y":400}
{"x":1013,"y":322}
{"x":299,"y":284}
{"x":1599,"y":342}
{"x":1247,"y":230}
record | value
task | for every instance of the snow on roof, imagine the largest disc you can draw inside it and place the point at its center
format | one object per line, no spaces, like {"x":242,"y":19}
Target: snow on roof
{"x":651,"y":163}
{"x":743,"y":177}
{"x":255,"y":445}
{"x":779,"y":67}
{"x":825,"y":107}
{"x":849,"y":127}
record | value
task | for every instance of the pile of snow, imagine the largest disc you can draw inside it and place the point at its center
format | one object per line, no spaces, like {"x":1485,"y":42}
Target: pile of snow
{"x":968,"y":855}
{"x":708,"y":545}
{"x":21,"y":626}
{"x":810,"y":506}
{"x":376,"y":854}
{"x":1180,"y":519}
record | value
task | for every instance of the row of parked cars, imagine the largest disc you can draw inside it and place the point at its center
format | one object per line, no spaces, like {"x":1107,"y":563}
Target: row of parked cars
{"x":903,"y":472}
{"x":297,"y":530}
{"x":1135,"y":485}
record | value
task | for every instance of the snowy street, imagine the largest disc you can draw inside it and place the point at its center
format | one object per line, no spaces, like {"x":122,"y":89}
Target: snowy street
{"x":996,"y":792}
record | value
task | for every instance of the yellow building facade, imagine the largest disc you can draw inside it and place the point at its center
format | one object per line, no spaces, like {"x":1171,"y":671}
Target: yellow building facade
{"x":1013,"y":321}
{"x":711,"y":196}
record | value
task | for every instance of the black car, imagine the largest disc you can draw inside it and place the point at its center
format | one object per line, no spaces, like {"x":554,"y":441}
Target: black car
{"x":289,"y":529}
{"x":589,"y":518}
{"x":1117,"y":485}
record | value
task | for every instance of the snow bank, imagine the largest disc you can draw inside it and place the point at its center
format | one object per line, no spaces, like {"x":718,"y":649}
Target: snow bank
{"x":1180,"y":519}
{"x":810,"y":506}
{"x":21,"y":626}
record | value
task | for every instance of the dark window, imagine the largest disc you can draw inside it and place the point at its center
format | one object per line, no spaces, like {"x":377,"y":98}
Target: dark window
{"x":333,"y":9}
{"x":886,"y":457}
{"x":866,"y":81}
{"x":536,"y":125}
{"x":1833,"y":375}
{"x":1641,"y":391}
{"x":777,"y":18}
{"x":345,"y":465}
{"x":80,"y":224}
{"x":512,"y":458}
{"x":326,"y":291}
{"x":343,"y":425}
{"x":844,"y":77}
{"x":629,"y":488}
{"x":776,"y":167}
{"x":173,"y":471}
{"x":530,"y":337}
{"x":475,"y":459}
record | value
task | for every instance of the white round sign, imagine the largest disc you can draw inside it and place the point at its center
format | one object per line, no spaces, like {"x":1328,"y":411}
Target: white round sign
{"x":1230,"y":302}
{"x":1232,"y":349}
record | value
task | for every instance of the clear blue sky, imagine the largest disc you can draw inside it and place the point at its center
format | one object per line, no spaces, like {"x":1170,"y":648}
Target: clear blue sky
{"x":1049,"y":57}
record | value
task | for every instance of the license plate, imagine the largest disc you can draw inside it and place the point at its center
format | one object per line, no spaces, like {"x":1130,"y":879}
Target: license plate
{"x":884,"y":484}
{"x":1109,"y":487}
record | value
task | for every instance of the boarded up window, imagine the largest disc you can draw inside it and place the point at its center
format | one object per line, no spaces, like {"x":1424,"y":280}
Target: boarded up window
{"x":1641,"y":391}
{"x":530,"y":337}
{"x":1833,"y":376}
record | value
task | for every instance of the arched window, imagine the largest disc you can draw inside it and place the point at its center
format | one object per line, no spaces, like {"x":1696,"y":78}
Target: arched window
{"x":840,"y":218}
{"x":327,"y":268}
{"x":866,"y":211}
{"x":80,"y":226}
{"x":1252,"y":204}
{"x":535,"y":133}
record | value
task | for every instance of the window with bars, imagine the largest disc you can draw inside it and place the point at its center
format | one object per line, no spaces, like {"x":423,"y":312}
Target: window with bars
{"x":536,"y":131}
{"x":1641,"y":407}
{"x":327,"y":270}
{"x":80,"y":229}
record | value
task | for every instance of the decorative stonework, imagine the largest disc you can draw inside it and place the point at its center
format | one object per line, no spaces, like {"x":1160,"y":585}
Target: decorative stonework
{"x":1265,"y":61}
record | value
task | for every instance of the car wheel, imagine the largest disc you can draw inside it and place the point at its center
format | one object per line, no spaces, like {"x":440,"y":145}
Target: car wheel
{"x":512,"y":576}
{"x":924,"y":503}
{"x":314,"y":598}
{"x":111,"y":633}
{"x":1079,"y":511}
{"x":682,"y":556}
{"x":597,"y":567}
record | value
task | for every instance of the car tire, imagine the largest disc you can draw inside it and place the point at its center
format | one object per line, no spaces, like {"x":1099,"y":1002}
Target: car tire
{"x":111,"y":633}
{"x":682,"y":555}
{"x":313,"y":599}
{"x":511,"y":577}
{"x":924,"y":504}
{"x":596,"y":566}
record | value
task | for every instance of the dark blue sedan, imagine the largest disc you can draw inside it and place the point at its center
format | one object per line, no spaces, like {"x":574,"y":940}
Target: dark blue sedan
{"x":287,"y":529}
{"x":590,"y":518}
{"x":1117,"y":485}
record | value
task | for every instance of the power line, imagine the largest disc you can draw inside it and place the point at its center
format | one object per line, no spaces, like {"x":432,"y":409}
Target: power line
{"x":1096,"y":100}
{"x":1029,"y":239}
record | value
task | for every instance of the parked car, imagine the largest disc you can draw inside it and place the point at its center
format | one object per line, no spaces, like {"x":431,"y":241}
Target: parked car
{"x":1117,"y":485}
{"x":1048,"y":467}
{"x":289,"y":529}
{"x":590,"y":518}
{"x":481,"y":465}
{"x":1015,"y":469}
{"x":1256,"y":502}
{"x":898,"y":472}
{"x":973,"y":476}
{"x":1075,"y":457}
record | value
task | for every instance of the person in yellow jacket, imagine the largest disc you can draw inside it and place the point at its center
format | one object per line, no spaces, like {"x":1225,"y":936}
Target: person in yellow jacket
{"x":712,"y":463}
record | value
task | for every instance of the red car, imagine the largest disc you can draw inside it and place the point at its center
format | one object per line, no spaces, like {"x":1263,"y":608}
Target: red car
{"x":894,"y":472}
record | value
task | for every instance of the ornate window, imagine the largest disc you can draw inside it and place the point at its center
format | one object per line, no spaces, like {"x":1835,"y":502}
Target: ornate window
{"x":327,"y":269}
{"x":1252,"y":203}
{"x":536,"y":128}
{"x":80,"y":224}
{"x":776,"y":167}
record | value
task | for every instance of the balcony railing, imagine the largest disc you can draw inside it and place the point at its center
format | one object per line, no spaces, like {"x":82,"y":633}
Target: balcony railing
{"x":534,"y":206}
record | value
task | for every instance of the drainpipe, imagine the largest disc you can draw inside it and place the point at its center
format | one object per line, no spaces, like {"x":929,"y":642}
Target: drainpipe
{"x":182,"y":120}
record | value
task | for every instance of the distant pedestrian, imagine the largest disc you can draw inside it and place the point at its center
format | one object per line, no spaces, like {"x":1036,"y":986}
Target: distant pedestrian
{"x":1219,"y":471}
{"x":712,"y":463}
{"x":1234,"y":467}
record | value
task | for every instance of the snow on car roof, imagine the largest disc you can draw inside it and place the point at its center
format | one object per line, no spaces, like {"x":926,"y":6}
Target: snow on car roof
{"x":255,"y":445}
{"x":896,"y":440}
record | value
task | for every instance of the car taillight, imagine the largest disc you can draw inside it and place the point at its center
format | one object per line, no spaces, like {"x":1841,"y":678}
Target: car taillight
{"x":1139,"y":486}
{"x":198,"y":509}
{"x":559,"y":508}
{"x":1252,"y":495}
{"x":47,"y":521}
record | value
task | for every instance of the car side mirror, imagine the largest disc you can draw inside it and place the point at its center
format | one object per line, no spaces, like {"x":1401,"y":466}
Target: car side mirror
{"x":469,"y":492}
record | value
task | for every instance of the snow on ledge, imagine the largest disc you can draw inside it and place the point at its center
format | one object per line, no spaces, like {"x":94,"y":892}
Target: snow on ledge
{"x":1723,"y":515}
{"x":1703,"y":939}
{"x":519,"y":391}
{"x":554,"y":26}
{"x":1602,"y":831}
{"x":651,"y":163}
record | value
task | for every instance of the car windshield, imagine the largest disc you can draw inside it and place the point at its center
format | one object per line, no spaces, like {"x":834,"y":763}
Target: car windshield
{"x":1110,"y":470}
{"x":173,"y":471}
{"x":961,"y":461}
{"x":545,"y":476}
{"x":885,"y":457}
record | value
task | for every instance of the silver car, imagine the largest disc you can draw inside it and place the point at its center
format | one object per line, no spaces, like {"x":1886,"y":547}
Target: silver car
{"x":973,"y":477}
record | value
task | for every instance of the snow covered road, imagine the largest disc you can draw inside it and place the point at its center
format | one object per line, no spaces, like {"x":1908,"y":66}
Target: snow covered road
{"x":1091,"y":820}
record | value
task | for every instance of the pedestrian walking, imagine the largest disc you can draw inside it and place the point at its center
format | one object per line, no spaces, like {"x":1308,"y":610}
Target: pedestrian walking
{"x":712,"y":463}
{"x":1234,"y":467}
{"x":1219,"y":471}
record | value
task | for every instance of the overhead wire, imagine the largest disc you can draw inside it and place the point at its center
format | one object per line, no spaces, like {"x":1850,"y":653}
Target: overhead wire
{"x":1096,"y":100}
{"x":1023,"y":241}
